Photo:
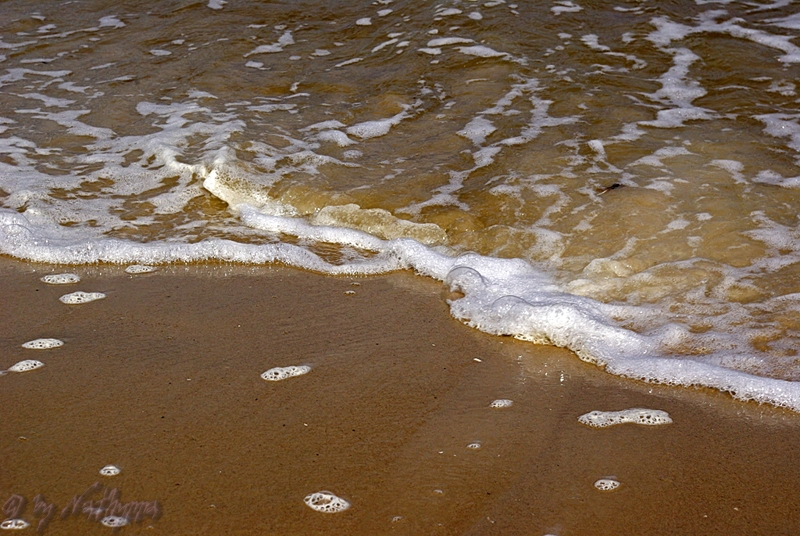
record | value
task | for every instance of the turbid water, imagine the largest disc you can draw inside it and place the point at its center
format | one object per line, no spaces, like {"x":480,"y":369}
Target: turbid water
{"x":617,"y":178}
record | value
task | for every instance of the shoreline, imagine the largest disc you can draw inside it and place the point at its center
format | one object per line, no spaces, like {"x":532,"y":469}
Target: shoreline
{"x":161,"y":378}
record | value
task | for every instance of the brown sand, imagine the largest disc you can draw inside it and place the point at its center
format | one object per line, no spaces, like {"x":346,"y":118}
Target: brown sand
{"x":162,"y":379}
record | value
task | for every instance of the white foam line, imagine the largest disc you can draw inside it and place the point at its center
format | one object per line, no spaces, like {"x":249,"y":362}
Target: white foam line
{"x":482,"y":51}
{"x":477,"y":130}
{"x":678,"y":90}
{"x":791,"y":21}
{"x":283,"y":41}
{"x":480,"y":127}
{"x":376,"y":128}
{"x":593,"y":42}
{"x":18,"y":239}
{"x":668,"y":31}
{"x":348,"y":62}
{"x":384,"y":45}
{"x":777,"y":4}
{"x":48,"y":101}
{"x":112,"y":21}
{"x":445,"y":41}
{"x":782,"y":125}
{"x":565,"y":6}
{"x":68,"y":119}
{"x":17,"y":74}
{"x":776,"y":179}
{"x":500,"y":296}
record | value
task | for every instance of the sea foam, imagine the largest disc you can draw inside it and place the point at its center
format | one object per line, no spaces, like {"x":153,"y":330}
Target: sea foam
{"x":604,"y":419}
{"x":140,"y":269}
{"x":79,"y":297}
{"x":26,"y":365}
{"x":326,"y":502}
{"x":487,"y":157}
{"x":110,"y":470}
{"x":14,"y":524}
{"x":281,"y":373}
{"x":43,"y":344}
{"x":499,"y":296}
{"x":606,"y":484}
{"x":61,"y":279}
{"x":114,"y":521}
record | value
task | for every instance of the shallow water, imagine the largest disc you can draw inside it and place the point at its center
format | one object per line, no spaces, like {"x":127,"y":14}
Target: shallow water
{"x":641,"y":158}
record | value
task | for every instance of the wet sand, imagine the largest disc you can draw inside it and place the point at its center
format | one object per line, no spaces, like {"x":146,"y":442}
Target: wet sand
{"x":162,"y":379}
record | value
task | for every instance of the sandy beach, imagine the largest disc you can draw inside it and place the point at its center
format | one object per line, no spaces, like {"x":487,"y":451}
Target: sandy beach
{"x":162,"y":379}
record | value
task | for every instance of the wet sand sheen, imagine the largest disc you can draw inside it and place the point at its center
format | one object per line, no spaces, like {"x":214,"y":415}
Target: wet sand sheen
{"x":162,"y":379}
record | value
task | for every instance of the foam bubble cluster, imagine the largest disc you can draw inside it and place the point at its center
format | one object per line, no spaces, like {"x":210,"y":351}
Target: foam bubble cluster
{"x":474,"y":446}
{"x":25,"y":366}
{"x":606,"y":484}
{"x":281,"y":373}
{"x":75,"y":298}
{"x":501,"y":403}
{"x":43,"y":344}
{"x":327,"y":502}
{"x":110,"y":470}
{"x":602,"y":419}
{"x":114,"y":521}
{"x":61,"y":279}
{"x":140,"y":269}
{"x":14,"y":524}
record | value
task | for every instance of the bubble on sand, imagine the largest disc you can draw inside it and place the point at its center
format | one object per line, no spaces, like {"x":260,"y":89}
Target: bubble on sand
{"x":501,"y":403}
{"x":140,"y":269}
{"x":474,"y":446}
{"x":25,"y":366}
{"x":114,"y":521}
{"x":281,"y":373}
{"x":602,"y":419}
{"x":110,"y":470}
{"x":14,"y":524}
{"x":327,"y":502}
{"x":43,"y":344}
{"x":60,"y":279}
{"x":81,"y":297}
{"x":606,"y":484}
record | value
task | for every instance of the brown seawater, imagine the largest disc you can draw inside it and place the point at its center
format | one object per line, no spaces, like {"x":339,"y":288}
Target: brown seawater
{"x":625,"y":174}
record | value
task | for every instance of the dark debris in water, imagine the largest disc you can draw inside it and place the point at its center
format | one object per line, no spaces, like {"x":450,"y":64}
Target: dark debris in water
{"x":601,"y":191}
